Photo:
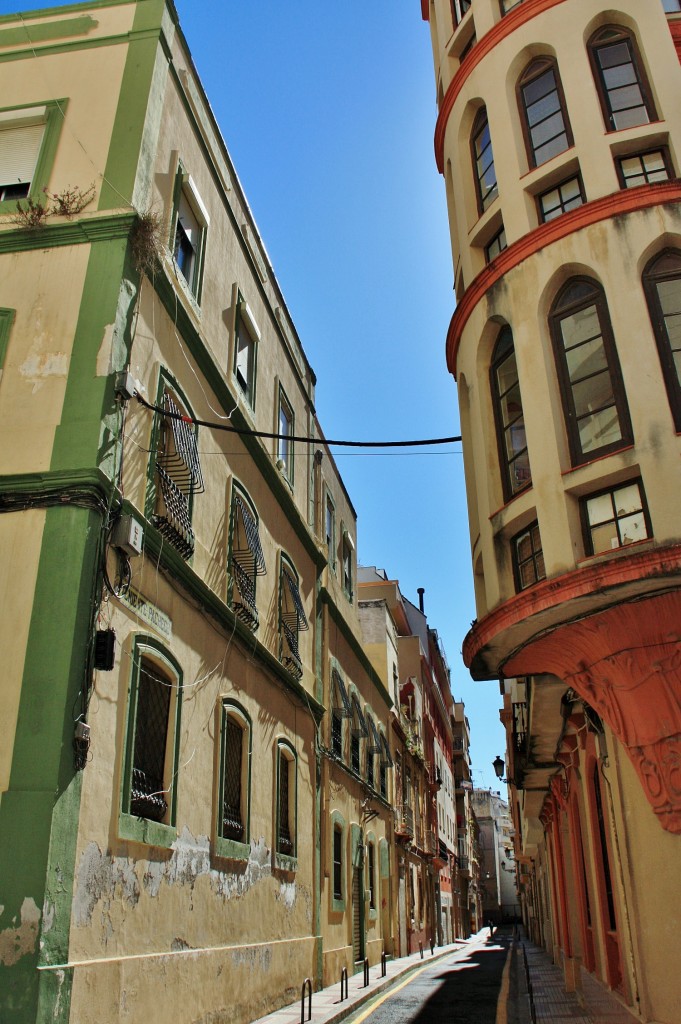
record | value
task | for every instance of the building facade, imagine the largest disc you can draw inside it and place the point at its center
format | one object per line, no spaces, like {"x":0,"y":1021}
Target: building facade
{"x":558,"y":134}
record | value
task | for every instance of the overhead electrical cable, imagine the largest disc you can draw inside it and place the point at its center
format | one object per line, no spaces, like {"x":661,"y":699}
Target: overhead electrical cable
{"x":292,"y":437}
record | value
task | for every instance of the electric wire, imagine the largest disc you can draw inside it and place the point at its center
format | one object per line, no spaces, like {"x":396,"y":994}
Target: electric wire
{"x":273,"y":435}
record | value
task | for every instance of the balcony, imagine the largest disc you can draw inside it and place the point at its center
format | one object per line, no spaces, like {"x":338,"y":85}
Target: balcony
{"x":404,"y":824}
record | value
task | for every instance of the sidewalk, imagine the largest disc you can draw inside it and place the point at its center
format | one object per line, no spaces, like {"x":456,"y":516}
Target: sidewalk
{"x":546,"y":993}
{"x":327,"y":1006}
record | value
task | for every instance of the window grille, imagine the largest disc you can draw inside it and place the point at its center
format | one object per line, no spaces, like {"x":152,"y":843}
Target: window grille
{"x":248,"y":561}
{"x":337,"y":864}
{"x":232,"y":819}
{"x":173,"y":521}
{"x":181,"y":459}
{"x":375,"y":740}
{"x":359,"y":725}
{"x":179,"y":478}
{"x":292,"y":618}
{"x":154,"y":690}
{"x":355,"y":754}
{"x":284,"y":839}
{"x":344,"y":708}
{"x":386,"y":759}
{"x":337,"y":732}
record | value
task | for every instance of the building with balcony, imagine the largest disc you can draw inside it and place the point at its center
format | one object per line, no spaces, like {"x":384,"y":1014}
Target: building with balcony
{"x":558,"y":135}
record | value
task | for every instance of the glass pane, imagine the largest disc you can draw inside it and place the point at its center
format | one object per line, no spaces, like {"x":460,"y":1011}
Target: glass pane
{"x":670,"y":296}
{"x":654,"y":162}
{"x":511,"y":406}
{"x":580,"y":326}
{"x":551,"y":149}
{"x":524,"y":547}
{"x":542,"y":85}
{"x":547,"y":130}
{"x":633,"y":528}
{"x":677,"y":364}
{"x":526,"y":573}
{"x":630,"y":118}
{"x":548,"y":106}
{"x":599,"y":509}
{"x":515,"y":439}
{"x":604,"y":538}
{"x":599,"y":430}
{"x":507,"y":374}
{"x":550,"y":201}
{"x":593,"y":394}
{"x":540,"y":569}
{"x":519,"y":472}
{"x":586,"y":359}
{"x":616,"y":77}
{"x":673,"y":325}
{"x":616,"y":53}
{"x":627,"y":499}
{"x":570,"y":190}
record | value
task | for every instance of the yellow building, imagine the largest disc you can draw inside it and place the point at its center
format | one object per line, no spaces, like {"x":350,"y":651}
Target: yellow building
{"x":559,"y":138}
{"x":178,"y":570}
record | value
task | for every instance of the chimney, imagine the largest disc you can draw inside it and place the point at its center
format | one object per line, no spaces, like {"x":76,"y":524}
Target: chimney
{"x":420,"y":591}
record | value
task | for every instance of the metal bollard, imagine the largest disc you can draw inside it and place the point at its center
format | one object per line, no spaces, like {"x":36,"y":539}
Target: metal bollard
{"x":366,"y":971}
{"x":383,"y":964}
{"x":432,"y":947}
{"x":307,"y":984}
{"x":344,"y":978}
{"x":421,"y":948}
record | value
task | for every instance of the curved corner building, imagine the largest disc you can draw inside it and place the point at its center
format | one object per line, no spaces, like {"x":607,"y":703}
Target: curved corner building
{"x":559,"y":138}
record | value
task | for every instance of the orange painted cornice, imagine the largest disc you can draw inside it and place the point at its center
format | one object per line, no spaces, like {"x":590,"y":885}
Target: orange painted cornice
{"x":559,"y":590}
{"x":675,"y":29}
{"x":425,"y":14}
{"x":616,"y":204}
{"x":508,"y":24}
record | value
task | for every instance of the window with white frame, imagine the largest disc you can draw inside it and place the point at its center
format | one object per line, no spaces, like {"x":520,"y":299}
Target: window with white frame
{"x":286,"y":800}
{"x":28,"y":140}
{"x":285,"y":440}
{"x":190,"y":225}
{"x":245,"y":351}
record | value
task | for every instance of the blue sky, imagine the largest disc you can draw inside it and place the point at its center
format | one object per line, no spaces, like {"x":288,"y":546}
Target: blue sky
{"x":328,"y":111}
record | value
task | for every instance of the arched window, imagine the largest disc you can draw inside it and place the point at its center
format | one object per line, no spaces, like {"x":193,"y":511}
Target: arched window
{"x":291,"y":618}
{"x":544,"y":114}
{"x":508,"y":413}
{"x":662,"y":284}
{"x":235,"y":750}
{"x":483,"y":161}
{"x":594,"y":402}
{"x":624,"y":93}
{"x":286,"y":800}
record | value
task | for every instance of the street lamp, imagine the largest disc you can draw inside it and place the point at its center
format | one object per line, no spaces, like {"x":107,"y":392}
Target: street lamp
{"x":498,"y":765}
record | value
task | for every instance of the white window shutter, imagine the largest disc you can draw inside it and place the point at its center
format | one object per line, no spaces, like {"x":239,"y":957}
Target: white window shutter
{"x":19,"y":149}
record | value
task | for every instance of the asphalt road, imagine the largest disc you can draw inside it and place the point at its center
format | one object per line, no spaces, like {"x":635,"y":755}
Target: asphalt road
{"x":462,"y":988}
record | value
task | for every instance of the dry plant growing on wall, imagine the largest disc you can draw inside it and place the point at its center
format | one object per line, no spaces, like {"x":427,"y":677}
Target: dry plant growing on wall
{"x":32,"y":214}
{"x":146,"y":241}
{"x":69,"y":202}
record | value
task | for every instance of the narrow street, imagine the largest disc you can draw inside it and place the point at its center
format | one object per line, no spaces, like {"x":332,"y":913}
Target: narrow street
{"x":463,"y":988}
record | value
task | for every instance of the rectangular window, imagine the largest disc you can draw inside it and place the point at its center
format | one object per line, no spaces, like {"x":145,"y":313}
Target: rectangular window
{"x":556,"y":201}
{"x":347,"y":550}
{"x":178,"y":476}
{"x":624,"y":93}
{"x":247,"y":336}
{"x":292,"y":620}
{"x":232,"y":819}
{"x":248,"y":561}
{"x":330,"y":531}
{"x":285,"y":443}
{"x":286,"y":801}
{"x":28,"y":142}
{"x":528,"y":558}
{"x":149,"y":781}
{"x":671,"y":6}
{"x":496,"y":245}
{"x":615,"y":518}
{"x":371,"y":871}
{"x":545,"y":115}
{"x":459,"y":9}
{"x":337,"y":864}
{"x":483,"y":162}
{"x":644,"y":168}
{"x":190,"y":225}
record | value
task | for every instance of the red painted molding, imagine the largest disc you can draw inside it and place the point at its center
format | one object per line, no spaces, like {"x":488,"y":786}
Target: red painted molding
{"x":508,"y":24}
{"x":425,"y":14}
{"x":617,"y":203}
{"x":622,"y":569}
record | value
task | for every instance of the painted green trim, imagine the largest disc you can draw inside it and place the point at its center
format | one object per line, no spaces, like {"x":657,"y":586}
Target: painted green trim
{"x":47,"y":30}
{"x":243,"y":719}
{"x":337,"y":821}
{"x":43,"y":12}
{"x":238,"y":490}
{"x":122,"y":161}
{"x":88,"y":432}
{"x":215,"y":379}
{"x":185,"y":576}
{"x":326,"y":597}
{"x":283,"y":402}
{"x":53,"y":49}
{"x":166,"y":382}
{"x":54,"y":119}
{"x":6,"y":321}
{"x":90,"y":481}
{"x":39,"y":812}
{"x":67,"y":232}
{"x":143,"y":830}
{"x":384,"y":858}
{"x":230,"y":849}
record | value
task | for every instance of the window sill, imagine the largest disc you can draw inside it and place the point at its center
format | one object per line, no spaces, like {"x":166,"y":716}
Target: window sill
{"x":337,"y":906}
{"x":143,"y":830}
{"x":230,"y":849}
{"x":605,"y":556}
{"x":282,"y":862}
